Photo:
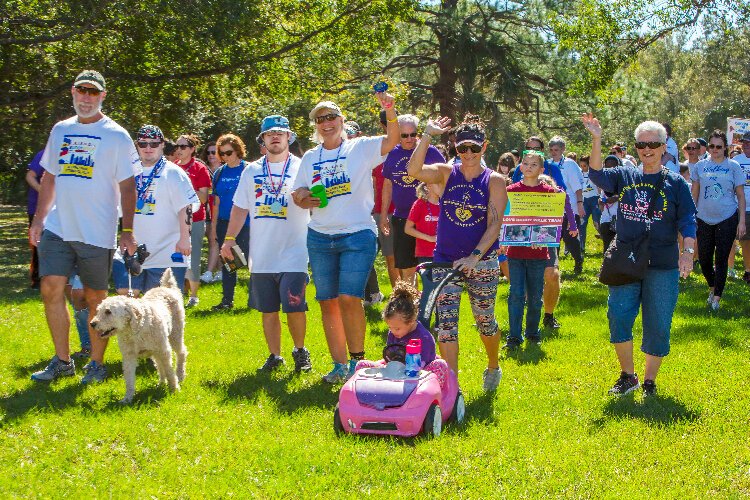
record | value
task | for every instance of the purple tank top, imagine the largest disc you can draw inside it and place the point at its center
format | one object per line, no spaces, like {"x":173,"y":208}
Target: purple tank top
{"x":463,"y":216}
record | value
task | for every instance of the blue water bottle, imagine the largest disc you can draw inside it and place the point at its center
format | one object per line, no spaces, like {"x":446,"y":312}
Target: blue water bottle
{"x":413,"y":357}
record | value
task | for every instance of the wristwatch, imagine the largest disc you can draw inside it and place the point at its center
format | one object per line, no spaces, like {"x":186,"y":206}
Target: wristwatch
{"x":476,"y":252}
{"x":688,"y":250}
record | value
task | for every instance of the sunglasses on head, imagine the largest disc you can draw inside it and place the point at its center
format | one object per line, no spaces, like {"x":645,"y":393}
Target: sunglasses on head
{"x":462,"y":148}
{"x":88,"y":90}
{"x":404,"y":136}
{"x":648,"y":144}
{"x":148,"y":144}
{"x":228,"y":152}
{"x":715,"y":146}
{"x":326,"y":118}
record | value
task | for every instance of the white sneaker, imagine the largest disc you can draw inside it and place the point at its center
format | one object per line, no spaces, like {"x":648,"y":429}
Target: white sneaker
{"x":193,"y":302}
{"x":375,"y":298}
{"x":207,"y":277}
{"x":217,"y":277}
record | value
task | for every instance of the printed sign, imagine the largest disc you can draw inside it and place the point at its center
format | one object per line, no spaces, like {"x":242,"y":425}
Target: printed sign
{"x":533,"y":219}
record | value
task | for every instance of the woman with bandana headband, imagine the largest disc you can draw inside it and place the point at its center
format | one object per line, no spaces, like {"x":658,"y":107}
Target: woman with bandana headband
{"x":471,"y":211}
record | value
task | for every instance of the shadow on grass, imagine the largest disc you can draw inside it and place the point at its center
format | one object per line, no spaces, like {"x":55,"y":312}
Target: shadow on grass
{"x":527,"y":354}
{"x":205,"y":313}
{"x":656,"y":410}
{"x":250,"y":385}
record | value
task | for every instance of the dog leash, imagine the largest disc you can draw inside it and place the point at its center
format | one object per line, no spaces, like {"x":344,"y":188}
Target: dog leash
{"x":130,"y":287}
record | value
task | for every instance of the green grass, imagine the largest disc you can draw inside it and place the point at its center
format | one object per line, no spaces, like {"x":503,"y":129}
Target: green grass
{"x":550,"y":430}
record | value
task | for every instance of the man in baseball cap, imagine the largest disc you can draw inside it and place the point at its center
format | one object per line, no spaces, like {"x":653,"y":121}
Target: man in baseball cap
{"x":92,"y":77}
{"x":278,"y":123}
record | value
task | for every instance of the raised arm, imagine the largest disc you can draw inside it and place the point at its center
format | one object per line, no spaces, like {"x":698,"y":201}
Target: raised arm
{"x":595,"y":129}
{"x":431,"y":174}
{"x":392,"y":132}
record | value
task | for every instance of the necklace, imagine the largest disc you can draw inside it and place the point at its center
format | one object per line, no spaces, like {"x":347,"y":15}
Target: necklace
{"x":276,"y":191}
{"x":142,"y":186}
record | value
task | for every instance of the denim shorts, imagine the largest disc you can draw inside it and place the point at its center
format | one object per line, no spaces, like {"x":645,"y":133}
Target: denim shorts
{"x":340,"y":263}
{"x":656,"y":295}
{"x":270,"y":292}
{"x":148,"y":279}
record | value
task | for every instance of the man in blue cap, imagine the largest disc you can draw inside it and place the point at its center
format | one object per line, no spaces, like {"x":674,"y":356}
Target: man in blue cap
{"x":278,"y":241}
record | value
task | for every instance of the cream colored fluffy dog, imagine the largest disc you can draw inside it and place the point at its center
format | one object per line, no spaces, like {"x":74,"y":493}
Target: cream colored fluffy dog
{"x":152,"y":326}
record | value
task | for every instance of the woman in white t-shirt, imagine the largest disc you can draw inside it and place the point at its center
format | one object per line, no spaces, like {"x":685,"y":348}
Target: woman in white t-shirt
{"x":335,"y":181}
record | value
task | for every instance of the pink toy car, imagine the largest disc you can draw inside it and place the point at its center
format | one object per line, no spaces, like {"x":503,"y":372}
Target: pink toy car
{"x":386,"y":401}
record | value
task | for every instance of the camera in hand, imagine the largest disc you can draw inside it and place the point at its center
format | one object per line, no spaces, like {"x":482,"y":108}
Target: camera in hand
{"x":236,"y":262}
{"x":133,"y":262}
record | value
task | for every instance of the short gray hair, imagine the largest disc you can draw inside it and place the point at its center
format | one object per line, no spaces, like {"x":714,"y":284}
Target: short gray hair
{"x":408,"y":120}
{"x":652,"y":126}
{"x":557,"y":141}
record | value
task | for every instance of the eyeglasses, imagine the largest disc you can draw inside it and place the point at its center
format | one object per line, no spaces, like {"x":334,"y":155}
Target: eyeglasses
{"x":184,"y":146}
{"x":147,"y":144}
{"x":228,"y":152}
{"x":716,"y":146}
{"x":463,"y":148}
{"x":648,"y":144}
{"x":692,"y":148}
{"x":326,"y":118}
{"x":88,"y":90}
{"x":211,"y":152}
{"x":404,"y":136}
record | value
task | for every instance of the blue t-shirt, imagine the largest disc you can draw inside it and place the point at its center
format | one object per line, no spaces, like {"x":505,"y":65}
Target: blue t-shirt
{"x":674,"y":210}
{"x":225,"y":184}
{"x":717,"y":198}
{"x":549,"y":169}
{"x":421,"y":333}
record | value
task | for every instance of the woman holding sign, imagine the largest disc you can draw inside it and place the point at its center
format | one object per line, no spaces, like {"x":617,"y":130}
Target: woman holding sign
{"x":471,"y":211}
{"x":335,"y":181}
{"x":656,"y":294}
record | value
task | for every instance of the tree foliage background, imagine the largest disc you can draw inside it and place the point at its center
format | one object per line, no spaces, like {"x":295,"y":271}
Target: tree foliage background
{"x":526,"y":66}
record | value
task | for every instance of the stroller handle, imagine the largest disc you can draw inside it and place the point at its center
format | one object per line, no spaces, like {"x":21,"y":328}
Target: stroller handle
{"x":434,"y":265}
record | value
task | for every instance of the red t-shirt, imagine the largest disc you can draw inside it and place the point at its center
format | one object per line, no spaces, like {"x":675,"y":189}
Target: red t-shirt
{"x":425,"y":217}
{"x":528,"y":252}
{"x":200,"y":178}
{"x":377,"y":183}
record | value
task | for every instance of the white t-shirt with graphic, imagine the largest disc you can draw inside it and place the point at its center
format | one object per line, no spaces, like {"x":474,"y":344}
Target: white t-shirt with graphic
{"x":346,"y":173}
{"x":744,"y":162}
{"x":88,"y":162}
{"x":278,"y":231}
{"x":589,"y":189}
{"x":157,"y":224}
{"x":717,"y":199}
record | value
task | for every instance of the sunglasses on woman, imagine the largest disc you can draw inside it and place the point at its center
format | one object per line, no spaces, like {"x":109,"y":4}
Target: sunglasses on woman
{"x":692,"y":148}
{"x":404,"y":136}
{"x":326,"y":118}
{"x":228,"y":152}
{"x":462,"y":148}
{"x":648,"y":144}
{"x":184,"y":146}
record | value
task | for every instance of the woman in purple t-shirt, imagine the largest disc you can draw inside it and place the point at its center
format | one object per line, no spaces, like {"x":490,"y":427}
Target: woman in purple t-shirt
{"x":471,"y":211}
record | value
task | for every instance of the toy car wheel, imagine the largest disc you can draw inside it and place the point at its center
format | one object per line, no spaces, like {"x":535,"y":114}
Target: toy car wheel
{"x":459,"y":409}
{"x":338,"y":427}
{"x":433,"y":421}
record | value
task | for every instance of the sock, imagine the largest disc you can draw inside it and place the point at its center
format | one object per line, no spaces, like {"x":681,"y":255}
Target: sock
{"x":357,"y":355}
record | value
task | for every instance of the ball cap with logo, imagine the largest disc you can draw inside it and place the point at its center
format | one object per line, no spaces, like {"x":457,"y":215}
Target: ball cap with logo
{"x":92,"y":77}
{"x":275,"y":122}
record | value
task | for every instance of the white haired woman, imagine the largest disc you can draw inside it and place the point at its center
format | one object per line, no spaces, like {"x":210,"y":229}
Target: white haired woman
{"x":335,"y":181}
{"x":656,"y":294}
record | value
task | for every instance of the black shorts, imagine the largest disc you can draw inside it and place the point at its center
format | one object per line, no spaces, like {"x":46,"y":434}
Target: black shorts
{"x":404,"y":245}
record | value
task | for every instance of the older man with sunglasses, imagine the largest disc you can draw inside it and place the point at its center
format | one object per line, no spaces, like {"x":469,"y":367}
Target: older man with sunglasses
{"x":401,"y":188}
{"x":90,"y":163}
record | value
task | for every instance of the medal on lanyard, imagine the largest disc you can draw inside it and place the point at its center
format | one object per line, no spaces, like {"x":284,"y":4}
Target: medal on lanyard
{"x":142,"y":186}
{"x":276,"y":206}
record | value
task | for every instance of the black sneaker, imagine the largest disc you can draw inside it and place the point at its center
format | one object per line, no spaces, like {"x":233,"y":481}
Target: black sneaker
{"x":534,"y":339}
{"x":627,"y":383}
{"x":271,"y":363}
{"x":649,"y":388}
{"x":578,"y":268}
{"x":550,"y":321}
{"x":301,"y":360}
{"x":223,"y":306}
{"x":512,"y":343}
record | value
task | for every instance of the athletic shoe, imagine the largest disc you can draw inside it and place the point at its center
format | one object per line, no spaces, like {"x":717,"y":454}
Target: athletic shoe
{"x":578,"y":268}
{"x":192,"y":302}
{"x":710,"y":299}
{"x":55,"y":369}
{"x":217,"y":277}
{"x":96,"y":373}
{"x":337,"y":375}
{"x":271,"y":363}
{"x":301,"y":360}
{"x":649,"y":388}
{"x":223,"y":306}
{"x":714,"y":306}
{"x":352,"y":368}
{"x":550,"y":321}
{"x":731,"y":273}
{"x":84,"y":353}
{"x":627,"y":383}
{"x":512,"y":343}
{"x":746,"y":277}
{"x":375,"y":298}
{"x":491,"y":378}
{"x":534,"y":339}
{"x":207,"y":277}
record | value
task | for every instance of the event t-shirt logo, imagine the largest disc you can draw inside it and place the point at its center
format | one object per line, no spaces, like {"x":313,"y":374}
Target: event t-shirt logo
{"x":268,"y":205}
{"x":464,"y":205}
{"x":77,"y":156}
{"x":333,"y":176}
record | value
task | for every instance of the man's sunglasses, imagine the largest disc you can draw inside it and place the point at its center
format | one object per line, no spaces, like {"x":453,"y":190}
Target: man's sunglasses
{"x":462,"y":148}
{"x":716,"y":146}
{"x":404,"y":136}
{"x":228,"y":152}
{"x":88,"y":90}
{"x":692,"y":148}
{"x":148,"y":144}
{"x":326,"y":118}
{"x":648,"y":144}
{"x":184,"y":146}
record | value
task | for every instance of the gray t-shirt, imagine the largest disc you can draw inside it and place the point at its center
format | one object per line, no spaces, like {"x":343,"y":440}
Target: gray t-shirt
{"x":744,"y":162}
{"x":717,"y":182}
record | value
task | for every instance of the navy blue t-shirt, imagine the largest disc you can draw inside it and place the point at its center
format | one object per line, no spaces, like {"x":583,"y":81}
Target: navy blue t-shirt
{"x":674,"y":210}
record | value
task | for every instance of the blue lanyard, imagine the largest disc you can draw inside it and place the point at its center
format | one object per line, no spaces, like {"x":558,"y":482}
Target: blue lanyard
{"x":142,"y":186}
{"x":320,"y":155}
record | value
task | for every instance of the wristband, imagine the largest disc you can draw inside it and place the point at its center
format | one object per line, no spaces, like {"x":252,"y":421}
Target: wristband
{"x":126,"y":230}
{"x":393,"y":121}
{"x":229,"y":238}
